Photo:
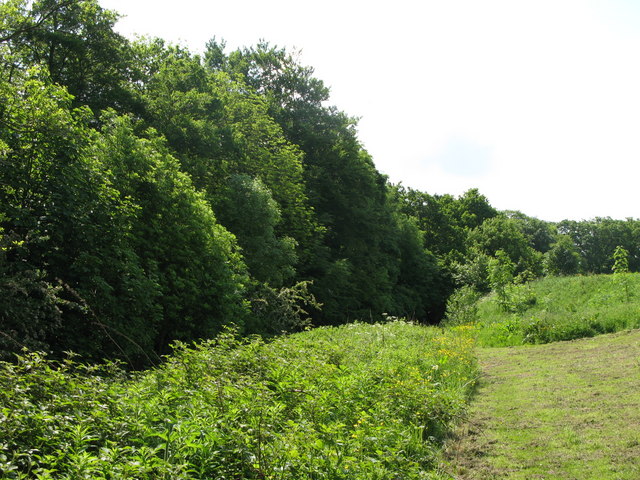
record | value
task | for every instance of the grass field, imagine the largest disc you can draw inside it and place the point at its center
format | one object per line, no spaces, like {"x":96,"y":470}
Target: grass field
{"x":567,"y":410}
{"x":560,"y":308}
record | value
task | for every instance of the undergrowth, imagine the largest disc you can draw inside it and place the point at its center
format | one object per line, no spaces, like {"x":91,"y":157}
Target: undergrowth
{"x":352,"y":402}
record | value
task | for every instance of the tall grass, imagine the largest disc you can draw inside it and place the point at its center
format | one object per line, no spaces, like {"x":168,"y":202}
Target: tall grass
{"x":354,"y":402}
{"x":561,"y":308}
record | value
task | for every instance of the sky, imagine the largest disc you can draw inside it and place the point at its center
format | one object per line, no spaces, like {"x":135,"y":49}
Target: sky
{"x":534,"y":102}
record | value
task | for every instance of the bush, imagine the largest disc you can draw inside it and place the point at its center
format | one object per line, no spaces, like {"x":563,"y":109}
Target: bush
{"x":462,"y":308}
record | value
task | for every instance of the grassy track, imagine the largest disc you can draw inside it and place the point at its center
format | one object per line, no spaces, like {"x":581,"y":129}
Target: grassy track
{"x":567,"y":410}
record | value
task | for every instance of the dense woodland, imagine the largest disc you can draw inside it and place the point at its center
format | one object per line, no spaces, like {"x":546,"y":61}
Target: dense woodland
{"x":148,"y":195}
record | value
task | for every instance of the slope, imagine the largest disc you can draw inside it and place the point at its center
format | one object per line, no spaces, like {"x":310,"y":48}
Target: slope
{"x":559,"y":308}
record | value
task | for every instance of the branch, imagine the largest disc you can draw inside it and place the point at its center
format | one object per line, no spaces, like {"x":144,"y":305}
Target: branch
{"x":26,"y":26}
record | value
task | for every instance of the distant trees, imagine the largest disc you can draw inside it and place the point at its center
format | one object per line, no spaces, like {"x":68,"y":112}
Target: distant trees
{"x":502,"y":233}
{"x":563,"y":258}
{"x":469,"y":236}
{"x":597,"y":239}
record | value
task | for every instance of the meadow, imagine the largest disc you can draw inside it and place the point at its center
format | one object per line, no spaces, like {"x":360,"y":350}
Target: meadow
{"x":557,"y":396}
{"x":559,"y":308}
{"x":561,"y":411}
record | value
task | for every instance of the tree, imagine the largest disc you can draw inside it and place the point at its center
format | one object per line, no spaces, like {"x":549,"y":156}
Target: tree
{"x":620,"y":268}
{"x":60,"y":211}
{"x":74,"y":41}
{"x":501,"y":270}
{"x":620,"y":260}
{"x":596,"y":239}
{"x":472,"y":209}
{"x":541,"y":234}
{"x":123,"y":254}
{"x":249,"y":211}
{"x":217,"y":128}
{"x":502,"y":233}
{"x":355,"y":263}
{"x":196,"y":268}
{"x":563,"y":258}
{"x":420,"y":289}
{"x":439,"y":221}
{"x":29,"y":305}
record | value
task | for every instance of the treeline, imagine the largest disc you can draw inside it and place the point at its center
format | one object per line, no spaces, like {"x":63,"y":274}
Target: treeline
{"x":149,"y":195}
{"x":467,"y":235}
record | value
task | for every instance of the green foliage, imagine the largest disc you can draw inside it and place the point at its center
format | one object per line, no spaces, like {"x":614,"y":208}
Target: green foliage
{"x":510,"y":296}
{"x":248,"y":210}
{"x":501,"y":270}
{"x":502,"y":233}
{"x":563,"y":258}
{"x":356,"y":402}
{"x":497,"y":252}
{"x":148,"y":194}
{"x":109,"y":217}
{"x":462,"y":308}
{"x":275,"y":73}
{"x":473,"y":270}
{"x":540,"y":234}
{"x":420,"y":288}
{"x":276,"y":311}
{"x":445,"y":220}
{"x":621,"y":269}
{"x":360,"y":259}
{"x":596,"y":240}
{"x":56,"y":201}
{"x":196,"y":270}
{"x":218,"y":129}
{"x":565,"y":308}
{"x":29,"y":305}
{"x":620,"y":260}
{"x":472,"y":209}
{"x":75,"y":42}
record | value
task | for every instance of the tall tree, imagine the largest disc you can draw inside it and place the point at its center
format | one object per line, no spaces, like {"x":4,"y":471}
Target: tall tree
{"x":193,"y":261}
{"x":357,"y":265}
{"x":503,"y":234}
{"x":562,"y":258}
{"x":249,"y":211}
{"x":218,"y":129}
{"x":541,"y":234}
{"x":74,"y":41}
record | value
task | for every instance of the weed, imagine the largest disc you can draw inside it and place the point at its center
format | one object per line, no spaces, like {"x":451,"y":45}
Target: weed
{"x":357,"y":402}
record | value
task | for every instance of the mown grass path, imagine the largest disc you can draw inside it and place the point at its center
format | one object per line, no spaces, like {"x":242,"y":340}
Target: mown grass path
{"x":567,"y":410}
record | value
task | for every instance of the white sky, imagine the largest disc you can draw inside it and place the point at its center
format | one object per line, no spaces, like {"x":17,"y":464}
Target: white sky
{"x":536,"y":102}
